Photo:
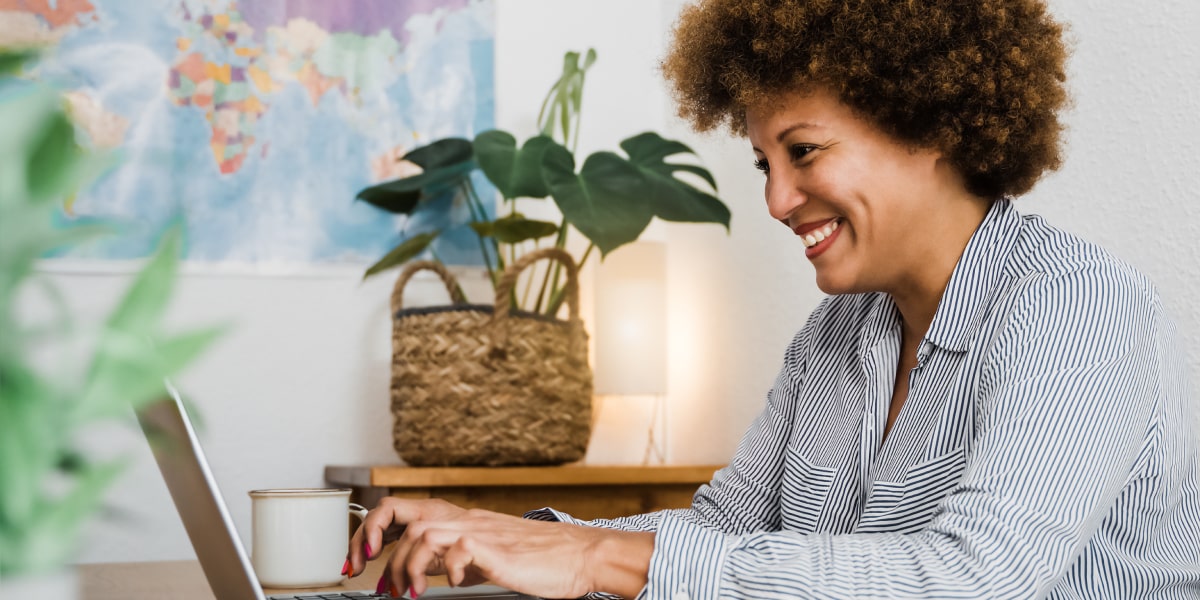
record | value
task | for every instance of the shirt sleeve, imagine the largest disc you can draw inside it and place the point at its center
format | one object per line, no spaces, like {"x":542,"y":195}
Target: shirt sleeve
{"x":744,"y":496}
{"x":1066,"y":398}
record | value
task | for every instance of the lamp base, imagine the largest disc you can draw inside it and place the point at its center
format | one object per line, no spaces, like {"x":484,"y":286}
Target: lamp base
{"x":656,"y":445}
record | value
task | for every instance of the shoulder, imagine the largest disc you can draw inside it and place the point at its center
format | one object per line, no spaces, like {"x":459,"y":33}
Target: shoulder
{"x":1045,"y":256}
{"x":1073,"y":298}
{"x":838,"y":324}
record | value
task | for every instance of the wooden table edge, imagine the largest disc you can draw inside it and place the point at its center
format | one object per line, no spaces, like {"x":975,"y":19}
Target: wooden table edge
{"x":566,"y":475}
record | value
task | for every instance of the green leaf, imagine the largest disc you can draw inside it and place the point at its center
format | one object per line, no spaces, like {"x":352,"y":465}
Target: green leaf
{"x":145,"y":301}
{"x":11,"y":61}
{"x":674,"y":199}
{"x":29,"y":437}
{"x":446,"y":164}
{"x":605,"y":201}
{"x":650,"y":148}
{"x":446,"y":151}
{"x":514,"y":229}
{"x":26,"y":233}
{"x":482,"y":228}
{"x":516,"y":173}
{"x":401,"y":254}
{"x":131,"y":370}
{"x":56,"y":163}
{"x":42,"y":162}
{"x":53,"y":534}
{"x":564,"y":100}
{"x":129,"y":364}
{"x":570,"y":63}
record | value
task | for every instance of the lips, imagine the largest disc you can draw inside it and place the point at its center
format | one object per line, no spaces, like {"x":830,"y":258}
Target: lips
{"x":815,"y":232}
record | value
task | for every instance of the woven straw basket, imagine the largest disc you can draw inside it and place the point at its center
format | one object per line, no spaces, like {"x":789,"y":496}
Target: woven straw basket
{"x":483,"y":385}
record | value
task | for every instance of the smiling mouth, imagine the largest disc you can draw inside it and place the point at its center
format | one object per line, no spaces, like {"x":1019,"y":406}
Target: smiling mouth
{"x":819,"y":235}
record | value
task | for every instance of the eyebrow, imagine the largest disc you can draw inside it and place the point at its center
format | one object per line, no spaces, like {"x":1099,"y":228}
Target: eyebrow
{"x":788,"y":130}
{"x":794,"y":127}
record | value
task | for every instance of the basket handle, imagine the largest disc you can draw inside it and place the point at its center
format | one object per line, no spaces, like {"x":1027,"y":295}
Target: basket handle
{"x":509,"y":279}
{"x":425,"y":265}
{"x":504,"y":287}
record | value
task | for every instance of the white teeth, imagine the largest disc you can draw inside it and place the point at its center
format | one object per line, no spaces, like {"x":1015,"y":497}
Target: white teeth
{"x":813,"y":238}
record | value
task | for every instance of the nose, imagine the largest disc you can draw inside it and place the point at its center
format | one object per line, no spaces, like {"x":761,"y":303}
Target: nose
{"x":784,"y":195}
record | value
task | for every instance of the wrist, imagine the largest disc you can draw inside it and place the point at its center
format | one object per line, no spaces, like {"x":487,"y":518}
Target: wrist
{"x":622,"y":560}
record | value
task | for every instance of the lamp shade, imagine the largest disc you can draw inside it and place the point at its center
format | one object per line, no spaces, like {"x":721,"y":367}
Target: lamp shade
{"x":631,"y":311}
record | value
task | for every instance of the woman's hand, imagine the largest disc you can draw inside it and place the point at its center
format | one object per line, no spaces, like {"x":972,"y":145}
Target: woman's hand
{"x":386,"y":522}
{"x":552,"y":560}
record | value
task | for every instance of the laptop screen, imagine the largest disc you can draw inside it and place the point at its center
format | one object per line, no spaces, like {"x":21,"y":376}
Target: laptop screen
{"x":197,"y":500}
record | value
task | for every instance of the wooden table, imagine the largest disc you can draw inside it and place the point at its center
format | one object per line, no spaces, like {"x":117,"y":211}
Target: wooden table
{"x":184,"y":580}
{"x":584,"y":491}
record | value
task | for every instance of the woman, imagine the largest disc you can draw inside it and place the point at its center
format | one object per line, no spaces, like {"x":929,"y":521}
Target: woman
{"x":984,"y":406}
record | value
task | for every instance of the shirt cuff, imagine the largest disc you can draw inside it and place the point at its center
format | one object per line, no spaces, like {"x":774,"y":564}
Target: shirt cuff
{"x":550,"y":514}
{"x":687,"y":562}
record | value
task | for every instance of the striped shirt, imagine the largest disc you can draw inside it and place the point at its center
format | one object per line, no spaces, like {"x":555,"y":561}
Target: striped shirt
{"x":1046,"y":448}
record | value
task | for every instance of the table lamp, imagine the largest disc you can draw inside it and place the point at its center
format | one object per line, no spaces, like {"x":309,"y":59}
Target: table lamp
{"x":631,"y":346}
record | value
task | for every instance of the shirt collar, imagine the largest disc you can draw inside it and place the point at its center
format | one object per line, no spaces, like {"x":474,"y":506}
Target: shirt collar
{"x":975,"y":279}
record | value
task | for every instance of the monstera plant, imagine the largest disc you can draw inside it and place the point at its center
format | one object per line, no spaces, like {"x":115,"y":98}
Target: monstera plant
{"x":60,"y":376}
{"x":609,"y":200}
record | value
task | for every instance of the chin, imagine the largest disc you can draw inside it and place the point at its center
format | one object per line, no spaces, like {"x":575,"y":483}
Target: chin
{"x":836,"y":283}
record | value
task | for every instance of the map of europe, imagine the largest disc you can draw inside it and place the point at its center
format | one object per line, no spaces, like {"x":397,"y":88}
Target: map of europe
{"x":256,"y":122}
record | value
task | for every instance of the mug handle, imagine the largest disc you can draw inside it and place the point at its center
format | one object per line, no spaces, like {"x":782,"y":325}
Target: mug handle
{"x":358,"y":511}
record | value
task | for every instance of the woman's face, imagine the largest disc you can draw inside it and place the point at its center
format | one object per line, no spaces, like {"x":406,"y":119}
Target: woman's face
{"x":873,"y":214}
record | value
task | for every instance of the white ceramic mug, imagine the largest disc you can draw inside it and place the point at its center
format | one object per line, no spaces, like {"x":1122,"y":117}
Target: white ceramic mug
{"x":300,"y":536}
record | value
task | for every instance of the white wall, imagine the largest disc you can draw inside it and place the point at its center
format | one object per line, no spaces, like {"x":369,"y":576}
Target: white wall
{"x":1130,"y":183}
{"x":301,"y":381}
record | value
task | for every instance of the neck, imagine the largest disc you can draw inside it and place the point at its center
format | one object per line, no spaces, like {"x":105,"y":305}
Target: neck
{"x":918,"y":295}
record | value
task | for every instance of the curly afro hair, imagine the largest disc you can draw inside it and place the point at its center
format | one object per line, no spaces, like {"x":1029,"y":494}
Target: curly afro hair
{"x":982,"y":81}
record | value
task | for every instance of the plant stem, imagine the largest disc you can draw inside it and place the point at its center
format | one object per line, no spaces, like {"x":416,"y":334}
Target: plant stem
{"x":559,"y":242}
{"x":556,"y":298}
{"x":586,"y":253}
{"x":479,"y":213}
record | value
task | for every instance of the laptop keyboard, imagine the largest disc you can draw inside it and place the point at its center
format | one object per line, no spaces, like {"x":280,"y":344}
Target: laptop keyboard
{"x":332,"y":596}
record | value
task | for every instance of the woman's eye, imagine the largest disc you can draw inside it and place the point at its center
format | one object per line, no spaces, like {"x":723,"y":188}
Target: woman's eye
{"x":799,"y":151}
{"x":761,"y":165}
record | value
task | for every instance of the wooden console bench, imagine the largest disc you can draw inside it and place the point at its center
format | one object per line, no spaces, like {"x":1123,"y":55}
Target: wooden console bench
{"x":584,"y":491}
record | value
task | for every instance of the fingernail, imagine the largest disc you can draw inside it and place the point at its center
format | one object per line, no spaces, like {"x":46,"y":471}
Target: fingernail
{"x":412,"y":592}
{"x":395,"y":593}
{"x":367,"y":549}
{"x":382,"y":585}
{"x":346,"y":567}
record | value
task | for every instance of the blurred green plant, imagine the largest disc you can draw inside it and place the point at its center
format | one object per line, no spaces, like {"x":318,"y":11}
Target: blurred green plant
{"x":610,"y":200}
{"x":49,"y":488}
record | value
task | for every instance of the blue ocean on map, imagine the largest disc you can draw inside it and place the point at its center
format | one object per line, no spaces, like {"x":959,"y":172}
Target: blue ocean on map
{"x":255,"y":123}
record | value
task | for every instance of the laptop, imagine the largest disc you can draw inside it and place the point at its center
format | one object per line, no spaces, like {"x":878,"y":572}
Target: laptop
{"x":209,"y":527}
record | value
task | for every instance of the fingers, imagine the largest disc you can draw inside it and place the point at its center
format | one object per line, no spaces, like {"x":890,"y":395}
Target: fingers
{"x":437,"y":549}
{"x":459,"y":563}
{"x":423,"y":530}
{"x":382,"y":524}
{"x":424,"y":557}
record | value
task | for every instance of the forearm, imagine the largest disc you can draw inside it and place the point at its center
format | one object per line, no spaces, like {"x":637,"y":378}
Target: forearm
{"x":622,"y":561}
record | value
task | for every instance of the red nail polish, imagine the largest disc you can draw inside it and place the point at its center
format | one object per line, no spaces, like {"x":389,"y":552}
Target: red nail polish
{"x":346,"y":567}
{"x":367,"y":549}
{"x":393,"y":592}
{"x":382,"y":585}
{"x":412,"y":592}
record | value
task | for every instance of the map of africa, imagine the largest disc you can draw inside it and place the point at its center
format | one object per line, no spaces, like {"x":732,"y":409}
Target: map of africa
{"x":256,"y":122}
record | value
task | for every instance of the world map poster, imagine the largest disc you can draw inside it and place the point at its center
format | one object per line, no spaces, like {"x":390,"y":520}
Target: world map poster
{"x":256,"y":122}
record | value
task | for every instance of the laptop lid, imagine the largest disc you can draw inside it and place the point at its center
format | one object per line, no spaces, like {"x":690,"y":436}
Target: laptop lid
{"x":198,"y":500}
{"x":202,"y":509}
